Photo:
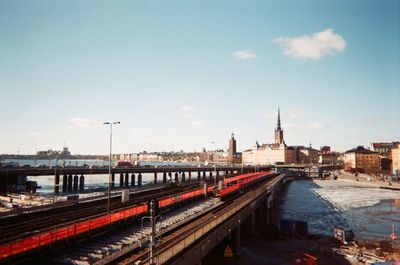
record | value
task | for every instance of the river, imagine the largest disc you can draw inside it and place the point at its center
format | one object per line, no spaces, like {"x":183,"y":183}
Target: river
{"x":369,"y":212}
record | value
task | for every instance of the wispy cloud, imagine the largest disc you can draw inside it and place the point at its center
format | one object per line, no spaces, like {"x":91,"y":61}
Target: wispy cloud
{"x":35,"y":134}
{"x":318,"y":125}
{"x":313,"y":46}
{"x":288,"y":125}
{"x":244,"y":55}
{"x":295,"y":113}
{"x":189,"y":108}
{"x":83,"y":123}
{"x":370,"y":120}
{"x":198,"y":123}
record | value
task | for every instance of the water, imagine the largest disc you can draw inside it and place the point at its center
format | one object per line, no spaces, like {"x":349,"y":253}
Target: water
{"x":369,"y":212}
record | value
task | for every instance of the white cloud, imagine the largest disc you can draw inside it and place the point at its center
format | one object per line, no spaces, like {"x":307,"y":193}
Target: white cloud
{"x":295,"y":113}
{"x":288,"y":125}
{"x":189,"y":108}
{"x":313,"y":46}
{"x":318,"y":125}
{"x":83,"y":123}
{"x":244,"y":55}
{"x":198,"y":123}
{"x":35,"y":134}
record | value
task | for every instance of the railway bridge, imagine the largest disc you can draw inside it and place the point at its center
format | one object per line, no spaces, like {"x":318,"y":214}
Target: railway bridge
{"x":73,"y":179}
{"x":191,"y":243}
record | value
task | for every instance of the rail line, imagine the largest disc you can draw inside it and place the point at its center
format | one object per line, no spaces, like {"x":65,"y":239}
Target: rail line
{"x":172,"y":237}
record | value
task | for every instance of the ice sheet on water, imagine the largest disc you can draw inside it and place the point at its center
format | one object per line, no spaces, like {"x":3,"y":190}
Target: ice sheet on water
{"x":344,"y":196}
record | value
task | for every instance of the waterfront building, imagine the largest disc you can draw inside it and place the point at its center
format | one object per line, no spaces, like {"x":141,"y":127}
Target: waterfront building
{"x":396,"y":159}
{"x":383,"y":148}
{"x":326,"y":156}
{"x":267,"y":154}
{"x":361,"y":160}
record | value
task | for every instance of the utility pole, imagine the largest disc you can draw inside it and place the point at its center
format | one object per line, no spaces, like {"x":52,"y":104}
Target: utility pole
{"x":152,"y":240}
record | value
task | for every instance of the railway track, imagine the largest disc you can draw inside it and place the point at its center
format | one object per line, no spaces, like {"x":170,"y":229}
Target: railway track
{"x":172,"y":236}
{"x":14,"y":227}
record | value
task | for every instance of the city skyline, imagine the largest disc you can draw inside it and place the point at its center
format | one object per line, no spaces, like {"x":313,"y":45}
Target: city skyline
{"x":179,"y":75}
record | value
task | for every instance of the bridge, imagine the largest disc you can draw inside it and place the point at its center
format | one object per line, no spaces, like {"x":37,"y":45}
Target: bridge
{"x":182,"y":243}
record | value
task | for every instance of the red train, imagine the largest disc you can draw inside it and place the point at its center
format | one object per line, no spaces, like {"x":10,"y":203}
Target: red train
{"x":71,"y":231}
{"x":236,"y":184}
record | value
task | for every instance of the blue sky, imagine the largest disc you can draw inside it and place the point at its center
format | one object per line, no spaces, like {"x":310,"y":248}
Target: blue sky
{"x":181,"y":74}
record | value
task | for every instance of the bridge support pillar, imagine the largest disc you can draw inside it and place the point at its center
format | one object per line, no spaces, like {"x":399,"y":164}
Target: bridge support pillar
{"x":56,"y":183}
{"x":253,"y":223}
{"x":190,"y":175}
{"x":133,"y":179}
{"x":210,"y":175}
{"x":237,"y":241}
{"x":69,"y":187}
{"x":198,"y":175}
{"x":76,"y":180}
{"x":126,"y":179}
{"x":176,"y":177}
{"x":64,"y":183}
{"x":81,"y":182}
{"x":155,"y":177}
{"x":112,"y":180}
{"x":183,"y":176}
{"x":164,"y":177}
{"x":121,"y":179}
{"x":170,"y":176}
{"x":139,"y":179}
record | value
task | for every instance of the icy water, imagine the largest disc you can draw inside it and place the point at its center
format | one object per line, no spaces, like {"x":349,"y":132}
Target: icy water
{"x":369,"y":212}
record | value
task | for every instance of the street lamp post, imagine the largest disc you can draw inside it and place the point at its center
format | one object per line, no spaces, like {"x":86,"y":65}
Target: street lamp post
{"x":109,"y":166}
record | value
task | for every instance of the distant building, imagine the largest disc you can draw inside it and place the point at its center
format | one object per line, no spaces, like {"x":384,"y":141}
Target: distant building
{"x":65,"y":152}
{"x":327,"y":157}
{"x":396,"y":159}
{"x":268,"y":154}
{"x":383,"y":148}
{"x":361,"y":160}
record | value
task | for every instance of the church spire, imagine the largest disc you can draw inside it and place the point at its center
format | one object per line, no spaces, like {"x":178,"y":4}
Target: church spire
{"x":279,"y":121}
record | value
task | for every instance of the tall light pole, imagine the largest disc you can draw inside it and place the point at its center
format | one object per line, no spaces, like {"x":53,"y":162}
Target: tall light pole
{"x":109,"y":166}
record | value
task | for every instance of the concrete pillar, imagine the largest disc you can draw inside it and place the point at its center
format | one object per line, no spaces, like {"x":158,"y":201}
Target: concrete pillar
{"x":139,"y":179}
{"x":76,"y":180}
{"x":81,"y":182}
{"x":155,"y":177}
{"x":121,"y":179}
{"x":183,"y":176}
{"x":198,"y":175}
{"x":56,"y":183}
{"x":164,"y":179}
{"x":170,"y":176}
{"x":210,"y":174}
{"x":69,"y":187}
{"x":190,"y":175}
{"x":204,"y":175}
{"x":64,"y":183}
{"x":126,"y":179}
{"x":237,"y":241}
{"x":176,"y":177}
{"x":253,"y":223}
{"x":112,"y":180}
{"x":133,"y":179}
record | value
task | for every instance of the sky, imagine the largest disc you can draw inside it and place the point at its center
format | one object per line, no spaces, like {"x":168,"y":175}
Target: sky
{"x":179,"y":75}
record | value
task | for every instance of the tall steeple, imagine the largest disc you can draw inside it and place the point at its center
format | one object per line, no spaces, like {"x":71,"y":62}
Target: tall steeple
{"x":279,"y":131}
{"x":279,"y":120}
